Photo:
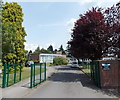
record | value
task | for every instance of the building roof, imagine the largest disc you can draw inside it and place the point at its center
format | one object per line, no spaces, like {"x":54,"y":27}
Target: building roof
{"x":44,"y":54}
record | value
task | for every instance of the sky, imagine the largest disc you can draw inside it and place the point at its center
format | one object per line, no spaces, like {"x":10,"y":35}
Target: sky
{"x":49,"y":22}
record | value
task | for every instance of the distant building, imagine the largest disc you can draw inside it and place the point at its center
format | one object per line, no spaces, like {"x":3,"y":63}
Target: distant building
{"x":58,"y":52}
{"x":48,"y":58}
{"x":109,"y":58}
{"x":34,"y":57}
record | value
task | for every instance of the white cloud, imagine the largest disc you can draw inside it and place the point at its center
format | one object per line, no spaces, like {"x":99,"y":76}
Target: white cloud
{"x":29,"y":46}
{"x":86,"y":1}
{"x":70,"y":24}
{"x":106,"y":3}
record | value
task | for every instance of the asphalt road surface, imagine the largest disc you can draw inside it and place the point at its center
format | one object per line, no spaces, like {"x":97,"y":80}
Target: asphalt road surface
{"x":67,"y":82}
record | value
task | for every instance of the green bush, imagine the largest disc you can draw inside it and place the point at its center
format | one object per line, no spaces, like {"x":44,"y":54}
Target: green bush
{"x":60,"y":61}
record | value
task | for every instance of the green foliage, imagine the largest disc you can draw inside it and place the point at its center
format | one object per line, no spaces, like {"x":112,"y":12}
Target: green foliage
{"x":50,"y":48}
{"x":30,"y":52}
{"x":55,"y":50}
{"x":0,"y":30}
{"x":62,"y":50}
{"x":37,"y":50}
{"x":59,"y":61}
{"x":13,"y":34}
{"x":44,"y":51}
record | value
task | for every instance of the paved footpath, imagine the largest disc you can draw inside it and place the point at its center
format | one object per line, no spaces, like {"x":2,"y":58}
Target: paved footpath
{"x":66,"y":82}
{"x":20,"y":89}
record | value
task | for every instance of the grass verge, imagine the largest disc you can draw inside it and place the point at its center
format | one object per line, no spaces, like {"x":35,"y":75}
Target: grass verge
{"x":86,"y":70}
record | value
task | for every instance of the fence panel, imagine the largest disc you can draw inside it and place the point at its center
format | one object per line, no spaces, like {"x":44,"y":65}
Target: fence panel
{"x":85,"y":67}
{"x":92,"y":70}
{"x":95,"y":72}
{"x":38,"y":74}
{"x":11,"y":74}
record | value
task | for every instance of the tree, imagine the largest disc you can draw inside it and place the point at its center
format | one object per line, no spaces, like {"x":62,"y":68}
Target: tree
{"x":112,"y":16}
{"x":0,"y":31}
{"x":55,"y":51}
{"x":28,"y":54}
{"x":44,"y":51}
{"x":50,"y":48}
{"x":13,"y":34}
{"x":62,"y":50}
{"x":86,"y":37}
{"x":96,"y":33}
{"x":59,"y":61}
{"x":37,"y":50}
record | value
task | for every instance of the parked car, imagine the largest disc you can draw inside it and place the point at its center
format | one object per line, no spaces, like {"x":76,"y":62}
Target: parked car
{"x":74,"y":64}
{"x":28,"y":63}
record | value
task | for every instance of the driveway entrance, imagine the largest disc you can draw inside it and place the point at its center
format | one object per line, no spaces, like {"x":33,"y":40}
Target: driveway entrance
{"x":67,"y":82}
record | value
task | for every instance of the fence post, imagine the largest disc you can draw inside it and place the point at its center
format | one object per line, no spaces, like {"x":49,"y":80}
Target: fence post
{"x":15,"y":72}
{"x":45,"y":71}
{"x":98,"y":70}
{"x":40,"y":72}
{"x":8,"y":67}
{"x":20,"y":72}
{"x":34,"y":75}
{"x":91,"y":70}
{"x":4,"y":77}
{"x":31,"y":76}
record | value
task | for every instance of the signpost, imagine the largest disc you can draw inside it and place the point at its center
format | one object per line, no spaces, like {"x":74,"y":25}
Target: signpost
{"x":106,"y":67}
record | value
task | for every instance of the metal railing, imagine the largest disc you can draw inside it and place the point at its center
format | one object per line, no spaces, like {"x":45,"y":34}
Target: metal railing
{"x":95,"y":73}
{"x":92,"y":70}
{"x":11,"y":74}
{"x":41,"y":74}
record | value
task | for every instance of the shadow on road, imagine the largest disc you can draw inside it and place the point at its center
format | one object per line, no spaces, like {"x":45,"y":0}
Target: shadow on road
{"x":77,"y":76}
{"x":68,"y":74}
{"x":73,"y":77}
{"x":68,"y":68}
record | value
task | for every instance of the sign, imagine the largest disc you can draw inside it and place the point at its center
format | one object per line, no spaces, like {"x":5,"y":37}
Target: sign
{"x":106,"y":67}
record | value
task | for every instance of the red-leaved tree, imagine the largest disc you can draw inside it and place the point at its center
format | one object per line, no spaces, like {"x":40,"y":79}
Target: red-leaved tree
{"x":95,"y":33}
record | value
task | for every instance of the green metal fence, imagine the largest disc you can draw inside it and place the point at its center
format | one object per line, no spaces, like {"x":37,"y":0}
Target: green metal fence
{"x":92,"y":70}
{"x":85,"y":67}
{"x":95,"y":73}
{"x":39,"y":78}
{"x":11,"y":74}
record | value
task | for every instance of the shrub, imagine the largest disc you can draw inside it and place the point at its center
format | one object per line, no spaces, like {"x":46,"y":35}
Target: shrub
{"x":60,"y":61}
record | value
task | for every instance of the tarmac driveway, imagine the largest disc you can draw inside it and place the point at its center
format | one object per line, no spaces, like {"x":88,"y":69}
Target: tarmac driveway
{"x":67,"y":82}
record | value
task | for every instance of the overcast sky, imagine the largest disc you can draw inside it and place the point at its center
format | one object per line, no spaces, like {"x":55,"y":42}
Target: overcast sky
{"x":50,"y":23}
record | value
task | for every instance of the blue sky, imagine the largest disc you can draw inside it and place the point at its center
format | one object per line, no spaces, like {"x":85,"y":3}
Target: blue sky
{"x":50,"y":23}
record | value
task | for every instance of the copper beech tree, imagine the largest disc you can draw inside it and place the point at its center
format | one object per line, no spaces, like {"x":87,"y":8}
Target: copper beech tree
{"x":96,"y":33}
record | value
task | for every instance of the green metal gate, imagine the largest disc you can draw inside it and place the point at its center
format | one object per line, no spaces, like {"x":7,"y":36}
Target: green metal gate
{"x":95,"y":72}
{"x":38,"y":74}
{"x":11,"y":74}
